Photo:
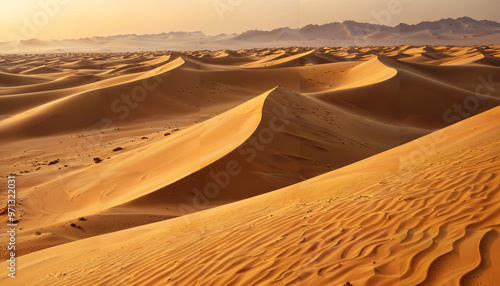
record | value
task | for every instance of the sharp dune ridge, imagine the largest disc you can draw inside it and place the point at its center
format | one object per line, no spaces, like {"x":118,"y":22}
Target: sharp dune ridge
{"x":283,"y":166}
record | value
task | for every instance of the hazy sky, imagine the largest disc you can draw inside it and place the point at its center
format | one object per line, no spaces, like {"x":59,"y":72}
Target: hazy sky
{"x":63,"y":19}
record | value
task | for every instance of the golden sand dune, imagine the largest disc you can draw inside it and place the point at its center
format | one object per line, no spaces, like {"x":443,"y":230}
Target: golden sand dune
{"x":262,"y":166}
{"x":431,"y":218}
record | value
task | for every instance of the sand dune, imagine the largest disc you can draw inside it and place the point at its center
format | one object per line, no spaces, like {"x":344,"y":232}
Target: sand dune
{"x":261,"y":166}
{"x":432,"y":219}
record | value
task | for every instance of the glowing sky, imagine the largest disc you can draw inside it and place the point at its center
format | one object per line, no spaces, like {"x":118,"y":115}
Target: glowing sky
{"x":63,"y":19}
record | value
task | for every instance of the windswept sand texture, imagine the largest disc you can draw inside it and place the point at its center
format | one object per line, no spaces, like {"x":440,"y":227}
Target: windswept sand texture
{"x":292,"y":166}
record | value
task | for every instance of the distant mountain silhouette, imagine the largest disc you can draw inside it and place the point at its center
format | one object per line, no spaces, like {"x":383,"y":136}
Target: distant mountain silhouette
{"x":460,"y":31}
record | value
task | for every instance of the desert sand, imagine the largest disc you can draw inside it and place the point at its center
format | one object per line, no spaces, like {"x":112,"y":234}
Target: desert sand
{"x":284,"y":166}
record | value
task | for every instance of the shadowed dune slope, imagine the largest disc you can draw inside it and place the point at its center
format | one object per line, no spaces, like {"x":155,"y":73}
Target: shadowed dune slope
{"x":297,"y":138}
{"x":420,"y":95}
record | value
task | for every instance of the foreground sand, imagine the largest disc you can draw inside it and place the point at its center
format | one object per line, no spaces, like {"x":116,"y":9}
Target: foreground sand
{"x":205,"y":151}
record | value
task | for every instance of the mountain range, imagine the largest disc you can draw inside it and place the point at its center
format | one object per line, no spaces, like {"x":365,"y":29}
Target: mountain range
{"x":460,"y":31}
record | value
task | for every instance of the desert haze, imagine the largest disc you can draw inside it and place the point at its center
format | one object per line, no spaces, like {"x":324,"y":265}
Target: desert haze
{"x":460,"y":31}
{"x":262,"y":166}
